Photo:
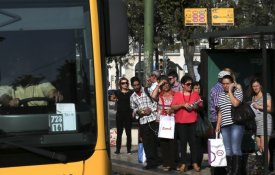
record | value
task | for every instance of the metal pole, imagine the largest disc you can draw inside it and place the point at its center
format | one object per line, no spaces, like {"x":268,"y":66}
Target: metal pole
{"x":265,"y":75}
{"x":148,"y":37}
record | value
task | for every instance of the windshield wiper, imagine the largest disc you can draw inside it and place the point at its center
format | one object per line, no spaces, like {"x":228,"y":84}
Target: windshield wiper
{"x":50,"y":154}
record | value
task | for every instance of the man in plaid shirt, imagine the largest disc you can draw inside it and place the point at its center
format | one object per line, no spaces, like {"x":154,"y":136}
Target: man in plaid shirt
{"x":146,"y":109}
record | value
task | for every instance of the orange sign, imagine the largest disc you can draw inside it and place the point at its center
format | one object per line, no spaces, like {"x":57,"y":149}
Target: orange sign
{"x":195,"y":16}
{"x":222,"y":16}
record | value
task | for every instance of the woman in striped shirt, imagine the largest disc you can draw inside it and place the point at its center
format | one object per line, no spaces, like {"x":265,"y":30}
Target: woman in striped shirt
{"x":232,"y":133}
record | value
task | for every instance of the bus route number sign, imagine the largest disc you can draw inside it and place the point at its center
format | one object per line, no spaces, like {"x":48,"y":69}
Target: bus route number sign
{"x":56,"y":123}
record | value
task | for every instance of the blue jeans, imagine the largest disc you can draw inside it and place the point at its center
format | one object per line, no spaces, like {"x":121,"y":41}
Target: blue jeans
{"x":232,"y":138}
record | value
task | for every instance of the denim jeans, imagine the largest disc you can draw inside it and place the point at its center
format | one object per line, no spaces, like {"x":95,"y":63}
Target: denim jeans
{"x":232,"y":138}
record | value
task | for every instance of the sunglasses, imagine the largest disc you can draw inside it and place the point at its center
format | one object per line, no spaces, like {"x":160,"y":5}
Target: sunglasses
{"x":122,"y":83}
{"x":188,"y":84}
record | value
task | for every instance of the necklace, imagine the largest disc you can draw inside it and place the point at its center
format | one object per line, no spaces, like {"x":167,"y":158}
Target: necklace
{"x":188,"y":98}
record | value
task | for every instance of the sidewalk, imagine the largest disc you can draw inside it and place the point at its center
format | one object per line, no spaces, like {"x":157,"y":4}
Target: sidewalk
{"x":128,"y":164}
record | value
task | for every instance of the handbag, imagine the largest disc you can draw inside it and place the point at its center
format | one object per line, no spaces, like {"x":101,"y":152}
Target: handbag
{"x":203,"y":127}
{"x":216,"y":152}
{"x":242,"y":113}
{"x":166,"y":127}
{"x":141,"y":153}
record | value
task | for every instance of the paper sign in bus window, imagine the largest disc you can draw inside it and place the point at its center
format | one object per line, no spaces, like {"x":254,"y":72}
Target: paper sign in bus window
{"x":69,"y":116}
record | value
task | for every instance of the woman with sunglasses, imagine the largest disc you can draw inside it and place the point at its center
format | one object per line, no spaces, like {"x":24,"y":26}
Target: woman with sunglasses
{"x":185,"y":104}
{"x":123,"y":114}
{"x":164,"y":96}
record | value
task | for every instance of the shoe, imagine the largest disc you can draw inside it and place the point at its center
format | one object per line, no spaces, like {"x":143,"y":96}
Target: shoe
{"x":117,"y":152}
{"x":129,"y":153}
{"x":182,"y":168}
{"x":148,"y":167}
{"x":166,"y":168}
{"x":196,"y":167}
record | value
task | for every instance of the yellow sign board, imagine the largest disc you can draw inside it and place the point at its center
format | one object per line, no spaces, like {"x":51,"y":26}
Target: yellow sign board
{"x":222,"y":16}
{"x":195,"y":16}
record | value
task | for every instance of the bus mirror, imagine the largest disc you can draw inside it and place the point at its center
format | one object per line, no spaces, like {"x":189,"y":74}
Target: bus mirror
{"x":116,"y":28}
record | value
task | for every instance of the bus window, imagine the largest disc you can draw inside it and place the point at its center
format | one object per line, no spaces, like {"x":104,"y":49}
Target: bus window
{"x":45,"y":45}
{"x":53,"y":118}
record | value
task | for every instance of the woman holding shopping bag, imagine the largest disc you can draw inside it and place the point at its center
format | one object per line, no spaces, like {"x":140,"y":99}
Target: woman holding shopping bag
{"x":185,"y":104}
{"x":164,"y":96}
{"x":232,"y":133}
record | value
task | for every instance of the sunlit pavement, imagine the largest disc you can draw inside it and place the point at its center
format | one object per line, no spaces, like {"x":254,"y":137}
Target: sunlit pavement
{"x":128,"y":164}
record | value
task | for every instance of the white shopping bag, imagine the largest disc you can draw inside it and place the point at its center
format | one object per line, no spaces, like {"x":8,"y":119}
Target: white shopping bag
{"x":166,"y":127}
{"x":216,"y":152}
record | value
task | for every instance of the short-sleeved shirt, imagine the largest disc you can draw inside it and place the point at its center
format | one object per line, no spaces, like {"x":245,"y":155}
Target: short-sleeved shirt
{"x":38,"y":90}
{"x":224,"y":104}
{"x":182,"y":115}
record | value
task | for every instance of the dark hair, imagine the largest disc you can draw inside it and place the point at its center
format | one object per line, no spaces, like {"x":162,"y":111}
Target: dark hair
{"x":173,"y":74}
{"x":196,"y":84}
{"x":133,"y":79}
{"x":186,"y":78}
{"x":164,"y":77}
{"x":229,"y":77}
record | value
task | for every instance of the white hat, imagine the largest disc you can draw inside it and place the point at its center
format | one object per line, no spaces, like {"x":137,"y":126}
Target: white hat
{"x":223,"y":73}
{"x":156,"y":73}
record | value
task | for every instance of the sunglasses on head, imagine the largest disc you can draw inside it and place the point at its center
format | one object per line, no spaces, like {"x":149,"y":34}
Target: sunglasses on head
{"x":122,"y":83}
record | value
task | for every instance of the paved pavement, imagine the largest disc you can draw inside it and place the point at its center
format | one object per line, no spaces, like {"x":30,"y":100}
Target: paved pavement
{"x":128,"y":165}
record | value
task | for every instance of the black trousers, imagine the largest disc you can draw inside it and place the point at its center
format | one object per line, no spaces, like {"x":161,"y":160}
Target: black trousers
{"x":148,"y":133}
{"x":187,"y":133}
{"x":167,"y":147}
{"x":123,"y":120}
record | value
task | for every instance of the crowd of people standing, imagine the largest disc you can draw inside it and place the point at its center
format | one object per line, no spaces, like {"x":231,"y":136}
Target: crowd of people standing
{"x":166,"y":96}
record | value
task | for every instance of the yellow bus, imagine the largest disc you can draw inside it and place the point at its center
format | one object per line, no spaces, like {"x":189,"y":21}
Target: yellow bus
{"x":58,"y":45}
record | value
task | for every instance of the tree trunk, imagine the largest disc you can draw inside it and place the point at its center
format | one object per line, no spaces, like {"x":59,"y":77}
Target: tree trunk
{"x":189,"y":50}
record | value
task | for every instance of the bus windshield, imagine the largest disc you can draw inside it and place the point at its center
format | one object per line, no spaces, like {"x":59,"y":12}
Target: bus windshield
{"x":47,"y":98}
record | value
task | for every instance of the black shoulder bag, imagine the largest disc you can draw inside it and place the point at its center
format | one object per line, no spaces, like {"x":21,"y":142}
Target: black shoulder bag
{"x":242,"y":113}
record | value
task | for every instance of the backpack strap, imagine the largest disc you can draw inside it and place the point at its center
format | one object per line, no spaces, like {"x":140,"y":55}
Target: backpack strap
{"x":148,"y":94}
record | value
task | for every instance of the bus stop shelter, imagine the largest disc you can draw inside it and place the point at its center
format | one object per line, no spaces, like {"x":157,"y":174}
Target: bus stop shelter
{"x":264,"y":34}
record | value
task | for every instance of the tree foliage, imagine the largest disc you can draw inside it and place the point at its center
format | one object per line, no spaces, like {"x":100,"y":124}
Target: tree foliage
{"x":169,"y":26}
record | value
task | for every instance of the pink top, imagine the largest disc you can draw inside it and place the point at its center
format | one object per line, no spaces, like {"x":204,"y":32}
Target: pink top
{"x":182,"y":115}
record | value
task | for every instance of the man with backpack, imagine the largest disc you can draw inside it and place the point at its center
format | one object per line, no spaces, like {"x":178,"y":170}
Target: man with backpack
{"x":146,"y":111}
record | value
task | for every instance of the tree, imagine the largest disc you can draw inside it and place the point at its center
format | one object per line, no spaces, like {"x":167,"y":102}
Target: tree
{"x":169,"y":26}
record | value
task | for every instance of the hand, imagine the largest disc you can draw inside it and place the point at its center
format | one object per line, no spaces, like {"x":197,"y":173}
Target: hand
{"x":147,"y":111}
{"x":231,"y":87}
{"x":218,"y":128}
{"x":257,"y":106}
{"x":56,"y":95}
{"x":14,"y":102}
{"x":188,"y":106}
{"x":169,"y":111}
{"x":161,"y":83}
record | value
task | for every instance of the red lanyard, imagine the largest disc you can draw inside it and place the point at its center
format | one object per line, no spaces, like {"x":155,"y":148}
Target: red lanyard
{"x":163,"y":112}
